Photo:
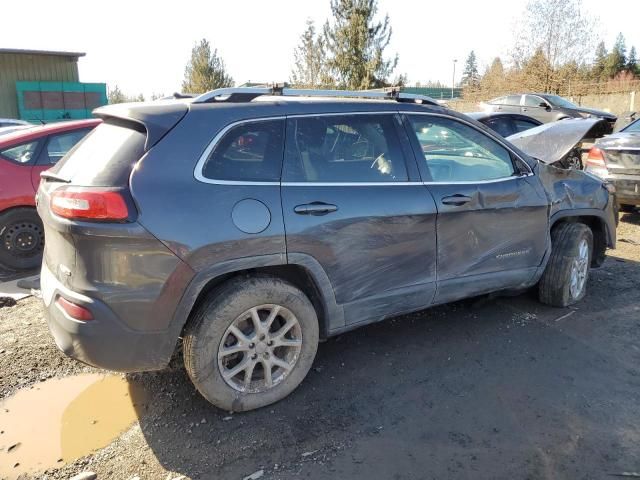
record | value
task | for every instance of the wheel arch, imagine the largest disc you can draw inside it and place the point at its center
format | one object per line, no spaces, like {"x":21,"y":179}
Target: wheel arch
{"x":302,"y":271}
{"x":596,"y":222}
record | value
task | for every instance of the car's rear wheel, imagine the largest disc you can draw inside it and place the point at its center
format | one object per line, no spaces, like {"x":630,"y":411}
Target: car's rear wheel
{"x":21,"y":239}
{"x":564,"y":281}
{"x":251,"y":343}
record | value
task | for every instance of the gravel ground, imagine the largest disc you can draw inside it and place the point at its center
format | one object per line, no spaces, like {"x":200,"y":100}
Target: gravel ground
{"x":485,"y":388}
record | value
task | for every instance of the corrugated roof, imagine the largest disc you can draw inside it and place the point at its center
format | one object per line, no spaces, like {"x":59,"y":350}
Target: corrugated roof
{"x":41,"y":52}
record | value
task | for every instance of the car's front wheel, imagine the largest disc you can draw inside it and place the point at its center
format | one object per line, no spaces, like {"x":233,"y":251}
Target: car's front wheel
{"x":21,"y":239}
{"x":251,"y":343}
{"x":564,"y":281}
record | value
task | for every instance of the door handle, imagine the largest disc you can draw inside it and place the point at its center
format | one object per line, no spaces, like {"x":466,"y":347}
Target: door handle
{"x":315,"y":208}
{"x":457,"y":199}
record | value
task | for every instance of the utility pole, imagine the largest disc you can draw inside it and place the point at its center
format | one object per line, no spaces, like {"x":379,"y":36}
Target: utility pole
{"x":453,"y":81}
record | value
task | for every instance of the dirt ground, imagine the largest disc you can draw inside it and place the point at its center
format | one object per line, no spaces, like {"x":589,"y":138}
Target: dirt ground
{"x":485,"y":388}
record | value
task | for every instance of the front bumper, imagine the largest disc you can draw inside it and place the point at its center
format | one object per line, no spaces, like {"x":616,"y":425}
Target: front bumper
{"x":104,"y":342}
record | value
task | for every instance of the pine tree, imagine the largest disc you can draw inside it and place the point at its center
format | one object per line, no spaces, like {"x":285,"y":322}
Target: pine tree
{"x":356,"y":42}
{"x":632,"y":61}
{"x":470,"y":76}
{"x":493,"y":80}
{"x":310,"y":60}
{"x":205,"y":70}
{"x":617,"y":59}
{"x":600,"y":62}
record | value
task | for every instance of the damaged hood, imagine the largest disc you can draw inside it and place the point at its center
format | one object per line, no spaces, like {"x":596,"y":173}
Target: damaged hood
{"x":552,"y":141}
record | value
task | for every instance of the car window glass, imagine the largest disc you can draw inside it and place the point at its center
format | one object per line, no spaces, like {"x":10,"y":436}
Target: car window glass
{"x":58,"y":146}
{"x":512,"y":100}
{"x":501,"y":125}
{"x":522,"y":125}
{"x":248,"y":152}
{"x":532,"y":101}
{"x":21,"y":153}
{"x":344,"y":148}
{"x":455,"y":152}
{"x":498,"y":101}
{"x":632,"y":127}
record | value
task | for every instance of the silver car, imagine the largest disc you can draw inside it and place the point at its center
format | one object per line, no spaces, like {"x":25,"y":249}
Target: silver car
{"x":617,"y":159}
{"x":544,"y":107}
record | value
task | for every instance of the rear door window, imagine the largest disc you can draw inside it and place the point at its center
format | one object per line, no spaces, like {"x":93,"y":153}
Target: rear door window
{"x":513,"y":100}
{"x":250,"y":152}
{"x":344,"y":148}
{"x":23,"y":153}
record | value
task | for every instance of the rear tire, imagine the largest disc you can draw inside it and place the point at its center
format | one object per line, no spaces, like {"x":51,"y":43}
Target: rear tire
{"x":564,"y":281}
{"x":262,"y":328}
{"x":21,"y":239}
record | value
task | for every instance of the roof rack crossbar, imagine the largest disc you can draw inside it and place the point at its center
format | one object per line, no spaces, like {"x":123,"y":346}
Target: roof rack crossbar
{"x":246,"y":94}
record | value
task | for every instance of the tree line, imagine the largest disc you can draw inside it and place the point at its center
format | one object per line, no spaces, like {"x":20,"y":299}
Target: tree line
{"x":550,"y":56}
{"x":549,"y":52}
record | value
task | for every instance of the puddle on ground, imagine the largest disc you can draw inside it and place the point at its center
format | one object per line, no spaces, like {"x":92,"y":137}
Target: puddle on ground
{"x":62,"y":419}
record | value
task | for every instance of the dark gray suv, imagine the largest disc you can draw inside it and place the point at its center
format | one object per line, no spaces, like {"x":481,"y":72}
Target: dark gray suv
{"x":251,"y":223}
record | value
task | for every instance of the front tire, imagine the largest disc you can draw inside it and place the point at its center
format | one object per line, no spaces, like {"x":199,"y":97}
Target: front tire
{"x":21,"y":239}
{"x":251,"y":343}
{"x":564,"y":281}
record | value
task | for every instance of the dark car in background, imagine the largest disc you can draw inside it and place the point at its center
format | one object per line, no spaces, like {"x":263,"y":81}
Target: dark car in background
{"x":505,"y":123}
{"x":24,"y":154}
{"x":544,"y":107}
{"x":616,"y":158}
{"x":252,"y":222}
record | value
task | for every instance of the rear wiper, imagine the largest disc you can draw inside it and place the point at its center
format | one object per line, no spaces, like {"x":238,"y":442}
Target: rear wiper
{"x":53,"y":177}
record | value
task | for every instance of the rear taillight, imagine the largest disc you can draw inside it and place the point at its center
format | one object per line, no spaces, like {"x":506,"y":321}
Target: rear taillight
{"x":595,"y":158}
{"x":74,"y":310}
{"x":88,"y":203}
{"x":596,"y":163}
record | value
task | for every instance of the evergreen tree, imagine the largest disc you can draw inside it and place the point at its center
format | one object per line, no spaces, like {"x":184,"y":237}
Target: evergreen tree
{"x":356,"y":42}
{"x":493,"y":79}
{"x":310,"y":60}
{"x":600,"y":62}
{"x":617,"y":59}
{"x":632,"y":61}
{"x":470,"y":76}
{"x":205,"y":70}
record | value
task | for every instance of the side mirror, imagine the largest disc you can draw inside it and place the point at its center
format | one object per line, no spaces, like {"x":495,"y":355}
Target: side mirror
{"x":544,"y":105}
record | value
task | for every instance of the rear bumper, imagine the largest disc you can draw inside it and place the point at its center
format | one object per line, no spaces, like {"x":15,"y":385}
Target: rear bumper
{"x":627,"y":188}
{"x":104,"y":342}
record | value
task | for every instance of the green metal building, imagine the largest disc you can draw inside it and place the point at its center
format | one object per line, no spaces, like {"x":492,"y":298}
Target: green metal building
{"x":44,"y":86}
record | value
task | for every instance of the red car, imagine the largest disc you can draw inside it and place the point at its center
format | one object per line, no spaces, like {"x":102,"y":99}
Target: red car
{"x":23,"y":155}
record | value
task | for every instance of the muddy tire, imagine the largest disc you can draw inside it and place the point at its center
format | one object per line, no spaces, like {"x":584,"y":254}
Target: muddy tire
{"x":21,"y":239}
{"x":564,"y":281}
{"x":251,"y":343}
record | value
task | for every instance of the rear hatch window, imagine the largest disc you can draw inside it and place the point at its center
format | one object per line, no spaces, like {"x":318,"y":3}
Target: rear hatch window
{"x":105,"y":157}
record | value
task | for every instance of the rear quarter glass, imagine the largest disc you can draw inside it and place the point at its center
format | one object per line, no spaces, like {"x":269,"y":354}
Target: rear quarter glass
{"x":104,"y":157}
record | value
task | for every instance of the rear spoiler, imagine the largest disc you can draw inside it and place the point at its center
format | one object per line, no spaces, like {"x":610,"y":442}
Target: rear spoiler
{"x":155,"y":118}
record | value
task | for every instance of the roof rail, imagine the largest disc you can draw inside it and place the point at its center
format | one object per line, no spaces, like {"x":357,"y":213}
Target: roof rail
{"x":246,"y":94}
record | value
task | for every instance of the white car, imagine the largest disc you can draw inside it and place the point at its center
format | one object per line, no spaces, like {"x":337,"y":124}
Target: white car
{"x":14,"y":128}
{"x":11,"y":122}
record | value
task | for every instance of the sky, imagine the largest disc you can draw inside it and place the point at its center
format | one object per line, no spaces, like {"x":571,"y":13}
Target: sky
{"x":142,"y":46}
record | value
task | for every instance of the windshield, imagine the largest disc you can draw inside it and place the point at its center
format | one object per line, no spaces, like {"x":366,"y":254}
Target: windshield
{"x":559,"y":101}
